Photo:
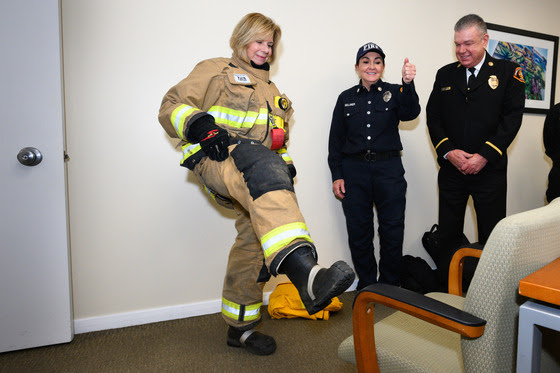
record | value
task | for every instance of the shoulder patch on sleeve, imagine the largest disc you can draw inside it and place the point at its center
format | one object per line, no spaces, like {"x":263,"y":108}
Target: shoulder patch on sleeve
{"x":518,"y":74}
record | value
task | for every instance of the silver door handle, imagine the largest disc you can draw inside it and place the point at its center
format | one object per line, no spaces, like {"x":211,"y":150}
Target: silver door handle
{"x":29,"y":156}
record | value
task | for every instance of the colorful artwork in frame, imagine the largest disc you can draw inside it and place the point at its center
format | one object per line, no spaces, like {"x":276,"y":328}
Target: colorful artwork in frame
{"x":536,"y":53}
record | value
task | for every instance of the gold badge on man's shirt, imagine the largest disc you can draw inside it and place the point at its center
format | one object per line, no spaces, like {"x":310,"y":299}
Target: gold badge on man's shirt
{"x":493,"y":81}
{"x":387,"y":96}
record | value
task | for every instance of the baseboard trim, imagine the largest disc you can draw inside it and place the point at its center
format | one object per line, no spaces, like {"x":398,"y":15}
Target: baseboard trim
{"x":126,"y":319}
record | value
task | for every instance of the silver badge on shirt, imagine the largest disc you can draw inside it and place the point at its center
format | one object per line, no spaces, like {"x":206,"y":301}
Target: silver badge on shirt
{"x":387,"y":96}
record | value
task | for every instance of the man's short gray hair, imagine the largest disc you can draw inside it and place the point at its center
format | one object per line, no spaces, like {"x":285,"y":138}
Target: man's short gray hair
{"x":471,"y":20}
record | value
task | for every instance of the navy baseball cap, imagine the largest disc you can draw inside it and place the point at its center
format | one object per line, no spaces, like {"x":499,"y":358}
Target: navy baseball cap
{"x":369,"y":47}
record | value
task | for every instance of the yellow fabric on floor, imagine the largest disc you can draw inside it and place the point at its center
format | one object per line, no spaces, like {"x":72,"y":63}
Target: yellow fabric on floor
{"x":285,"y":302}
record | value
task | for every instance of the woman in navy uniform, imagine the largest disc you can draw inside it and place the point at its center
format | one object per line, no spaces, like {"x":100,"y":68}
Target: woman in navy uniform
{"x":366,"y":166}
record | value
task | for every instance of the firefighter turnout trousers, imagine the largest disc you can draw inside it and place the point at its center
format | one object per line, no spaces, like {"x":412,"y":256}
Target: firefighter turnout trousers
{"x":269,"y":224}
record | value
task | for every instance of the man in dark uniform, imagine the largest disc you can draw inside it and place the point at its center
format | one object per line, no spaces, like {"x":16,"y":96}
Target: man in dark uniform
{"x":473,"y":114}
{"x":551,"y":139}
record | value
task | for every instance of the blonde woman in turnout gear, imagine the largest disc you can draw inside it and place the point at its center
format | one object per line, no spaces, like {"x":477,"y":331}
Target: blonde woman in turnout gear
{"x":233,"y":125}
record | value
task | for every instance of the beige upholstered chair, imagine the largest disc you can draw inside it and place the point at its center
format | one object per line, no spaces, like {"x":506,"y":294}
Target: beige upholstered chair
{"x":476,"y":333}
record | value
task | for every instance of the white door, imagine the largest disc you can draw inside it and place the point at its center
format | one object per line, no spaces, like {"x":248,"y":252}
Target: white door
{"x":35,"y":292}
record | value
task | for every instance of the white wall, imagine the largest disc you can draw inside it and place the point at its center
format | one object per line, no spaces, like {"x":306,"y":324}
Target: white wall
{"x":143,"y":234}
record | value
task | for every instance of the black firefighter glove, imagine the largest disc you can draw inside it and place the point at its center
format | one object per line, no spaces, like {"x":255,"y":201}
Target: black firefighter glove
{"x":213,"y":140}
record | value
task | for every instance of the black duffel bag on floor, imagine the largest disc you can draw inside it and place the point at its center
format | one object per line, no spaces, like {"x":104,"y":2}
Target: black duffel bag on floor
{"x":442,"y":256}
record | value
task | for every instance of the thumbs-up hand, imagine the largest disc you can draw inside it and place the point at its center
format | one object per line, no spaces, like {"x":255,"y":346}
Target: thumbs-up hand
{"x":408,"y":71}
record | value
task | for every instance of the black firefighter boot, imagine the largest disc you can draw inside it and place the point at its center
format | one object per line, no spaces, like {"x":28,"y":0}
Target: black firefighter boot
{"x":316,"y":285}
{"x":255,"y":342}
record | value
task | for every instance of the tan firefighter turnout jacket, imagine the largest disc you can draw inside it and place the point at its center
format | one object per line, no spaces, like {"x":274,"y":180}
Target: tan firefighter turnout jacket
{"x":241,"y":99}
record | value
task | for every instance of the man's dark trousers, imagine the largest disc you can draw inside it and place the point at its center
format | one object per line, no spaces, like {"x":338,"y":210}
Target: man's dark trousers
{"x":488,"y":190}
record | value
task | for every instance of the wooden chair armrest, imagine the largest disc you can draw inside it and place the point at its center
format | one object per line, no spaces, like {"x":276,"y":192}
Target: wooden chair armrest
{"x":415,"y":304}
{"x":456,"y":268}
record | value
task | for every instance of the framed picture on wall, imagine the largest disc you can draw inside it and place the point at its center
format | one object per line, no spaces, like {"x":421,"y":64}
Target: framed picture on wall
{"x":536,"y":53}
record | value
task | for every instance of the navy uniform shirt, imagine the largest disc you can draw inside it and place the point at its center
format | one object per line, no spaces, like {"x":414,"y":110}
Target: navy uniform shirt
{"x":369,"y":120}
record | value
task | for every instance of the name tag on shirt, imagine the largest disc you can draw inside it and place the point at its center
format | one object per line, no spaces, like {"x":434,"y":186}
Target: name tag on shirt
{"x":241,"y":78}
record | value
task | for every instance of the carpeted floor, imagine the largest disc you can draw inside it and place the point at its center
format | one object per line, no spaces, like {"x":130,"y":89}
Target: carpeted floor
{"x":196,"y":344}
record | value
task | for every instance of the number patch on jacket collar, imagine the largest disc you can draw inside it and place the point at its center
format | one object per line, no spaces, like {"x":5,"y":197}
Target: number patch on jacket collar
{"x":241,"y":78}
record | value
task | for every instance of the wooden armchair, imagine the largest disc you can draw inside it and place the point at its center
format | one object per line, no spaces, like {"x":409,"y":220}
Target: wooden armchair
{"x":446,"y":332}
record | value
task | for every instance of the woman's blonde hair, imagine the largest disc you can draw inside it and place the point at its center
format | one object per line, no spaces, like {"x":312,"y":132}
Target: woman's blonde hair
{"x":253,"y":26}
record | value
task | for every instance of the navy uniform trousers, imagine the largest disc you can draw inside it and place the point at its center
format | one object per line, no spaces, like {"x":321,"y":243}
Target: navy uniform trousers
{"x":379,"y":183}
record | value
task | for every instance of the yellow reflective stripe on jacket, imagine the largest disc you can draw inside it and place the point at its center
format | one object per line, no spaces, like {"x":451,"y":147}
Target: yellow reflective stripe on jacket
{"x":209,"y":191}
{"x":279,"y":121}
{"x":178,"y":118}
{"x":238,"y":118}
{"x":241,"y":313}
{"x":284,"y":154}
{"x":279,"y":237}
{"x":189,"y":149}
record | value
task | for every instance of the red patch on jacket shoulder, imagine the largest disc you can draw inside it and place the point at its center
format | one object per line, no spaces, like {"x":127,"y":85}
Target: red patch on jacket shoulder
{"x":518,"y":74}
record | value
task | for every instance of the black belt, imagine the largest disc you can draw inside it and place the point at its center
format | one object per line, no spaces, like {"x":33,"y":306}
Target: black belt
{"x":375,"y":156}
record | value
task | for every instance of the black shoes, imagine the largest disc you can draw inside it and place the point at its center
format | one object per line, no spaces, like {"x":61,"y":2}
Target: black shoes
{"x":255,"y":342}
